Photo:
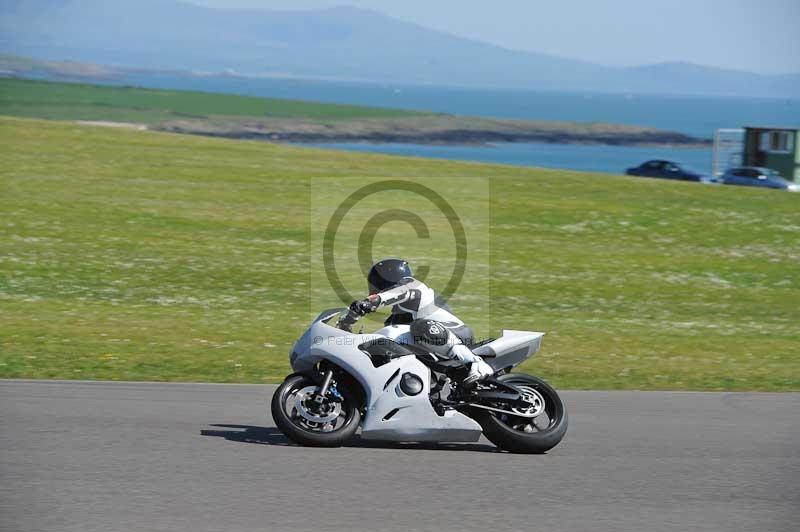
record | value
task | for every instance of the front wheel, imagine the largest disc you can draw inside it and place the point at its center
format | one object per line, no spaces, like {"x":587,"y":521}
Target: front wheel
{"x":326,"y":423}
{"x":532,"y":435}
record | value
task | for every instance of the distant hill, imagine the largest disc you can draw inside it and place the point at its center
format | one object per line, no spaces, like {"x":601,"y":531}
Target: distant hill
{"x":339,"y":43}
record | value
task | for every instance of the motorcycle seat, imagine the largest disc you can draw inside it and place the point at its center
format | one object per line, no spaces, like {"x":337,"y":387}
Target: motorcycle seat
{"x":484,"y":351}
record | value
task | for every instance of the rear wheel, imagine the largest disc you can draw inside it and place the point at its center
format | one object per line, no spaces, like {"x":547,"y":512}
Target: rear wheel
{"x":540,"y":426}
{"x":309,"y":420}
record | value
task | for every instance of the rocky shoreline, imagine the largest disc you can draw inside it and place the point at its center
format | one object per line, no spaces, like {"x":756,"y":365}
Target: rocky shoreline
{"x":338,"y":133}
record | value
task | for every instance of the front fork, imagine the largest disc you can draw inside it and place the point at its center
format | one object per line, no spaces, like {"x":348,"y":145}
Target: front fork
{"x":323,"y":390}
{"x":328,"y":385}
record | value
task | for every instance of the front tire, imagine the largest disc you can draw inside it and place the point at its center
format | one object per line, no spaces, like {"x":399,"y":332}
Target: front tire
{"x":523,"y":435}
{"x":303,"y":425}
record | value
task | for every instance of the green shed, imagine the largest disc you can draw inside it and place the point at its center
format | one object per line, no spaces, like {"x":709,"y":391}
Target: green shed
{"x":776,"y":148}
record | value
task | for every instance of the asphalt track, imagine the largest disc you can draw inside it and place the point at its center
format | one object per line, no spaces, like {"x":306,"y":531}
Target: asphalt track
{"x":78,"y":456}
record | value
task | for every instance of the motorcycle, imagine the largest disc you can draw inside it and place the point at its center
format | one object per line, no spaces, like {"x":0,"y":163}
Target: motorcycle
{"x":397,"y":390}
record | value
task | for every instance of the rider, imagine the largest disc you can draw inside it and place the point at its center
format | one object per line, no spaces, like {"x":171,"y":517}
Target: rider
{"x":432,"y":324}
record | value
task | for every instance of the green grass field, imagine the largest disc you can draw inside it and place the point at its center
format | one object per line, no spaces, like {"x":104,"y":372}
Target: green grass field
{"x":80,"y":101}
{"x":149,"y":256}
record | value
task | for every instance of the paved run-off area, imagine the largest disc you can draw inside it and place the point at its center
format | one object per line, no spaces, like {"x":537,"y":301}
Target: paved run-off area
{"x":97,"y":456}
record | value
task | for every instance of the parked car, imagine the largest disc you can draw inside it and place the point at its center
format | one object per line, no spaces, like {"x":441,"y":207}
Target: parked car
{"x":669,"y":170}
{"x":754,"y":176}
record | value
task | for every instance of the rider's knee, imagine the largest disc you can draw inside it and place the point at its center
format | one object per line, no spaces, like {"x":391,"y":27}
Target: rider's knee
{"x":430,"y":332}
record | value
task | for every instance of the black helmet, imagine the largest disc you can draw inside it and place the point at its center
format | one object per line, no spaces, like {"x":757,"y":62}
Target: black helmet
{"x":386,"y":274}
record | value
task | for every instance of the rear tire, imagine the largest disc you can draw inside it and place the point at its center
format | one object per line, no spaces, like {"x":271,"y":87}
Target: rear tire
{"x":500,"y":428}
{"x":297,"y":429}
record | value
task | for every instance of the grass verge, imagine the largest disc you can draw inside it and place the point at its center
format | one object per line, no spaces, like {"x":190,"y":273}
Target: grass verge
{"x":148,"y":256}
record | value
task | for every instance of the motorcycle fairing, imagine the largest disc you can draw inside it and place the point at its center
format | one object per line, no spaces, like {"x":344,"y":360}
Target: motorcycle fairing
{"x":390,"y":413}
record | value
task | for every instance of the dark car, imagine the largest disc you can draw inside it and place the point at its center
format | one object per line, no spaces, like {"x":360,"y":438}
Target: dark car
{"x":669,"y":170}
{"x":754,"y":176}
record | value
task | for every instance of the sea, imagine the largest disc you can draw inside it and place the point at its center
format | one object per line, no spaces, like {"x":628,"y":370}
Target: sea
{"x":698,"y":116}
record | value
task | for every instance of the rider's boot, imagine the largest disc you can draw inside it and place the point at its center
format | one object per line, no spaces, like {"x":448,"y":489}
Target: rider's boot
{"x":478,"y":370}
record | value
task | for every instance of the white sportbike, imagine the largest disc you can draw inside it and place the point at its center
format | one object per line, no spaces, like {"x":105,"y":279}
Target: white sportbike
{"x":397,"y":390}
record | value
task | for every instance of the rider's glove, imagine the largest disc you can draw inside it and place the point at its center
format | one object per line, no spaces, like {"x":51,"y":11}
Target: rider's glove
{"x":362,"y":307}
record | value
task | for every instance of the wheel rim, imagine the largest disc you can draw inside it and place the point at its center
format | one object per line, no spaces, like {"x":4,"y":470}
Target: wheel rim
{"x":325,"y":417}
{"x":535,"y":401}
{"x":545,"y":407}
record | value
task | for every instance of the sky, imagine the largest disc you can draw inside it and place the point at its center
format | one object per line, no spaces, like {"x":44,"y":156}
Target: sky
{"x":755,"y":35}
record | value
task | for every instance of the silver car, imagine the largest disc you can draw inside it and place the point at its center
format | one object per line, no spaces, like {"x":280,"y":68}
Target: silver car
{"x":755,"y":176}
